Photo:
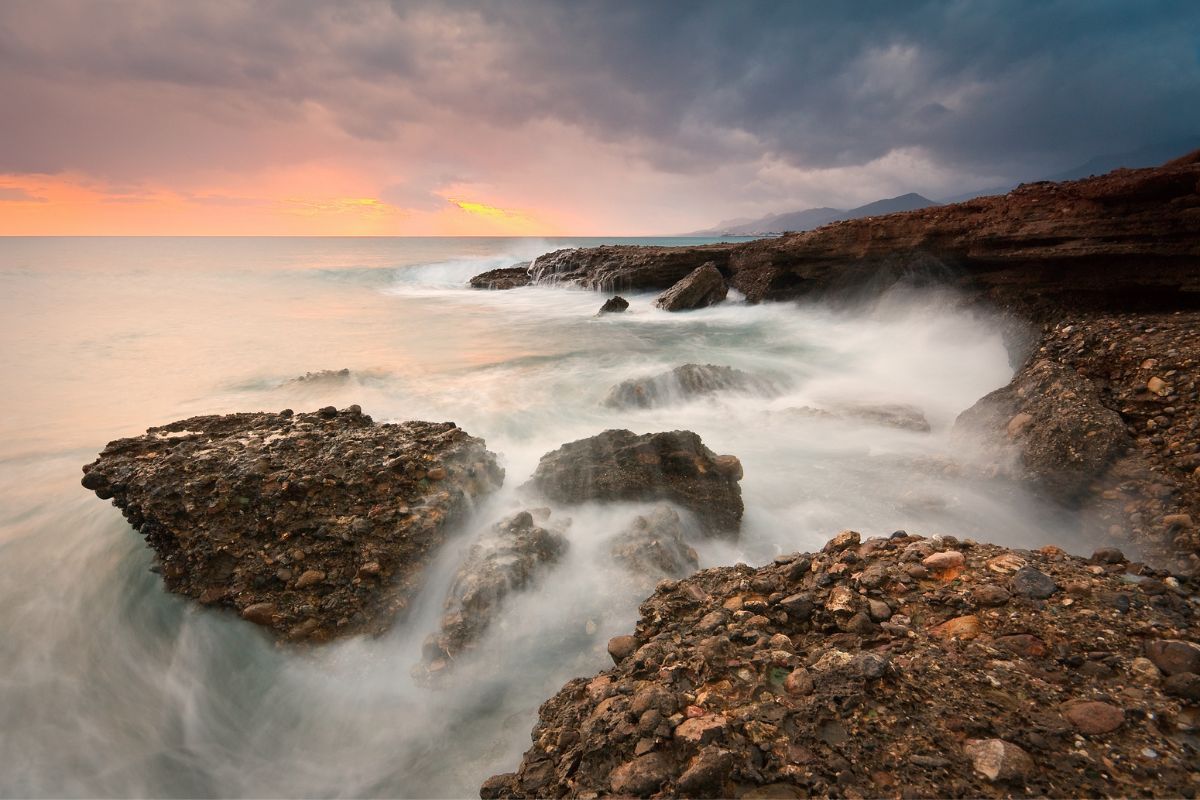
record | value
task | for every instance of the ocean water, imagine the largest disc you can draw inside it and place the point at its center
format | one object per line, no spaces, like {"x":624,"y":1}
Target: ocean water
{"x":109,"y":686}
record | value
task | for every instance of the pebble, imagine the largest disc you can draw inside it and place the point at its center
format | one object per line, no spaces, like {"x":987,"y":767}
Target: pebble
{"x":944,"y":561}
{"x":1109,"y":555}
{"x":998,"y":760}
{"x":1017,"y":424}
{"x":1092,"y":717}
{"x":621,"y":647}
{"x":799,"y":682}
{"x":1185,"y":685}
{"x":879,"y":610}
{"x":1032,"y":583}
{"x":1144,"y":668}
{"x":259,"y":613}
{"x":1158,"y":386}
{"x":964,"y":628}
{"x":989,"y":594}
{"x":1173,"y":656}
{"x":310,"y":578}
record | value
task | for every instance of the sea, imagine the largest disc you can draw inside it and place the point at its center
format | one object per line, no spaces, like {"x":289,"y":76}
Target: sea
{"x":111,"y":687}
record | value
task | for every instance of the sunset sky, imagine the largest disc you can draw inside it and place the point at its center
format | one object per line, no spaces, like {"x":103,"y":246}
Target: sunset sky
{"x":608,"y":118}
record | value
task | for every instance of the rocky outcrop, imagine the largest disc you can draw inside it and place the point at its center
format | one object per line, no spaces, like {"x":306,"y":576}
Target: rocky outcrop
{"x":312,"y":525}
{"x":895,"y":666}
{"x":1127,"y":240}
{"x":509,"y":559}
{"x":503,"y":278}
{"x":654,"y":546}
{"x":621,"y":465}
{"x":684,"y":383}
{"x":614,"y":305}
{"x":889,"y":415}
{"x":324,"y":377}
{"x":625,"y":267}
{"x":702,"y":287}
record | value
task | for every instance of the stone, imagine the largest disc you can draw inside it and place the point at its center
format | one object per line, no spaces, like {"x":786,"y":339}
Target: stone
{"x":1179,"y":521}
{"x":703,"y":286}
{"x":798,"y":606}
{"x":705,"y":776}
{"x":309,"y":578}
{"x":1093,"y":718}
{"x":799,"y":682}
{"x":654,"y":545}
{"x":998,"y":760}
{"x":1185,"y":685}
{"x":701,"y":730}
{"x":1022,"y":644}
{"x":621,"y":647}
{"x":684,"y":383}
{"x":641,"y":777}
{"x":1144,"y":668}
{"x":1032,"y":583}
{"x":503,"y":278}
{"x":964,"y":628}
{"x":1173,"y":656}
{"x":989,"y":594}
{"x":614,"y":305}
{"x":1158,"y":386}
{"x":260,"y":613}
{"x":1018,"y":424}
{"x":879,"y":610}
{"x":843,"y":541}
{"x":619,"y":465}
{"x":945,"y":561}
{"x":1109,"y":555}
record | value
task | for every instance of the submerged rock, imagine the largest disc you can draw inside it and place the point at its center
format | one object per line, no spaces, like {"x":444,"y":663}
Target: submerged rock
{"x":889,"y":415}
{"x":312,"y":525}
{"x":684,"y":383}
{"x":614,"y":305}
{"x":740,"y":690}
{"x":503,"y":278}
{"x":654,"y":546}
{"x":509,"y":559}
{"x":703,"y":286}
{"x":621,"y":465}
{"x":320,"y":377}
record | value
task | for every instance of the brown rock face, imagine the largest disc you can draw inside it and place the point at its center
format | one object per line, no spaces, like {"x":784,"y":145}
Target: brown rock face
{"x":312,"y":525}
{"x":702,"y":287}
{"x":1115,"y":241}
{"x":620,"y":465}
{"x":721,"y":691}
{"x":503,"y":278}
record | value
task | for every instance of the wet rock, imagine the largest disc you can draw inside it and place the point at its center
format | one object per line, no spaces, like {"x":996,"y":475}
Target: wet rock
{"x":641,"y":777}
{"x":1173,"y":656}
{"x":654,"y":545}
{"x":325,"y":377}
{"x":614,"y":305}
{"x":503,"y":278}
{"x":621,"y":647}
{"x":705,"y":776}
{"x":685,"y":383}
{"x":704,"y":286}
{"x":998,"y":760}
{"x":1185,"y":685}
{"x":231,"y":503}
{"x":1093,"y":718}
{"x":509,"y":558}
{"x":1032,"y":583}
{"x":620,"y":465}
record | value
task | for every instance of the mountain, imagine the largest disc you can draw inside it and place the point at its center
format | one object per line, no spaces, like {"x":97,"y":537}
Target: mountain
{"x":811,"y":218}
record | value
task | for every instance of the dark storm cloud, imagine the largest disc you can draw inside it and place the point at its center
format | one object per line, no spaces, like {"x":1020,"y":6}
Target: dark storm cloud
{"x":983,"y":86}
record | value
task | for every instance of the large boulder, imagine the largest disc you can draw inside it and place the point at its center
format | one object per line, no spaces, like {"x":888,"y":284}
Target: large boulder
{"x":511,"y":557}
{"x":1052,"y":425}
{"x":312,"y":525}
{"x":684,"y":383}
{"x":703,"y":286}
{"x":624,"y":267}
{"x":503,"y":278}
{"x":621,"y":465}
{"x":858,"y":672}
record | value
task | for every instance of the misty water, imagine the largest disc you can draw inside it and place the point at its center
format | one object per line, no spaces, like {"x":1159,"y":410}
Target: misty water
{"x":109,"y":686}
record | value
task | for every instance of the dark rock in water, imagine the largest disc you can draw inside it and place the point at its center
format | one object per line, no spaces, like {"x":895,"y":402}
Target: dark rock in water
{"x":503,"y":278}
{"x":510,"y":558}
{"x":738,"y":698}
{"x":623,"y":267}
{"x":684,"y":383}
{"x":313,"y":525}
{"x":703,"y":286}
{"x":621,"y":465}
{"x":654,"y":546}
{"x":324,"y":376}
{"x":888,"y":415}
{"x":1052,"y":423}
{"x":614,"y":305}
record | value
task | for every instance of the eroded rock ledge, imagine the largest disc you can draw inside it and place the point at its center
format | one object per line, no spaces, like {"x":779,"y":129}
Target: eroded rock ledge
{"x":312,"y":525}
{"x":894,"y":667}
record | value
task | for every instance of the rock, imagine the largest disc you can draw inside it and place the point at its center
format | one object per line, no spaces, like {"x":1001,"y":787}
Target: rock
{"x":1022,"y":644}
{"x":1093,"y":718}
{"x":614,"y":305}
{"x":624,"y":267}
{"x":888,"y":415}
{"x":654,"y":545}
{"x":879,"y":610}
{"x":1173,"y":656}
{"x":1185,"y":685}
{"x":621,"y":647}
{"x":1031,"y":583}
{"x":321,"y":377}
{"x":964,"y":628}
{"x":509,"y":558}
{"x":704,"y":286}
{"x":705,"y":776}
{"x":799,"y":682}
{"x":641,"y":777}
{"x":1109,"y":555}
{"x":685,"y":383}
{"x":843,"y":541}
{"x":945,"y":561}
{"x":260,"y":613}
{"x":1178,"y":521}
{"x":701,"y":730}
{"x":998,"y":760}
{"x":989,"y":594}
{"x":619,"y":465}
{"x":503,"y":278}
{"x":228,"y":502}
{"x":1017,"y":425}
{"x":1158,"y":386}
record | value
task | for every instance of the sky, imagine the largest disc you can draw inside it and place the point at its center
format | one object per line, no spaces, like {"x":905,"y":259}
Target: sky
{"x":288,"y":117}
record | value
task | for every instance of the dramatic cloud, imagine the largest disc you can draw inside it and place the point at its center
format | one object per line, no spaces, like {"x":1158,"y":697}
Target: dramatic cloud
{"x":619,"y":117}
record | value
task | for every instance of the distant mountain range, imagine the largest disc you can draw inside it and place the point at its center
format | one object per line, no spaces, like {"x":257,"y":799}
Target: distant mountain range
{"x":810,"y":218}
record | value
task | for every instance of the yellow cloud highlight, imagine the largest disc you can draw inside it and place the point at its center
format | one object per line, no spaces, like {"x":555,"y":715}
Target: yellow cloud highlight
{"x":491,"y":212}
